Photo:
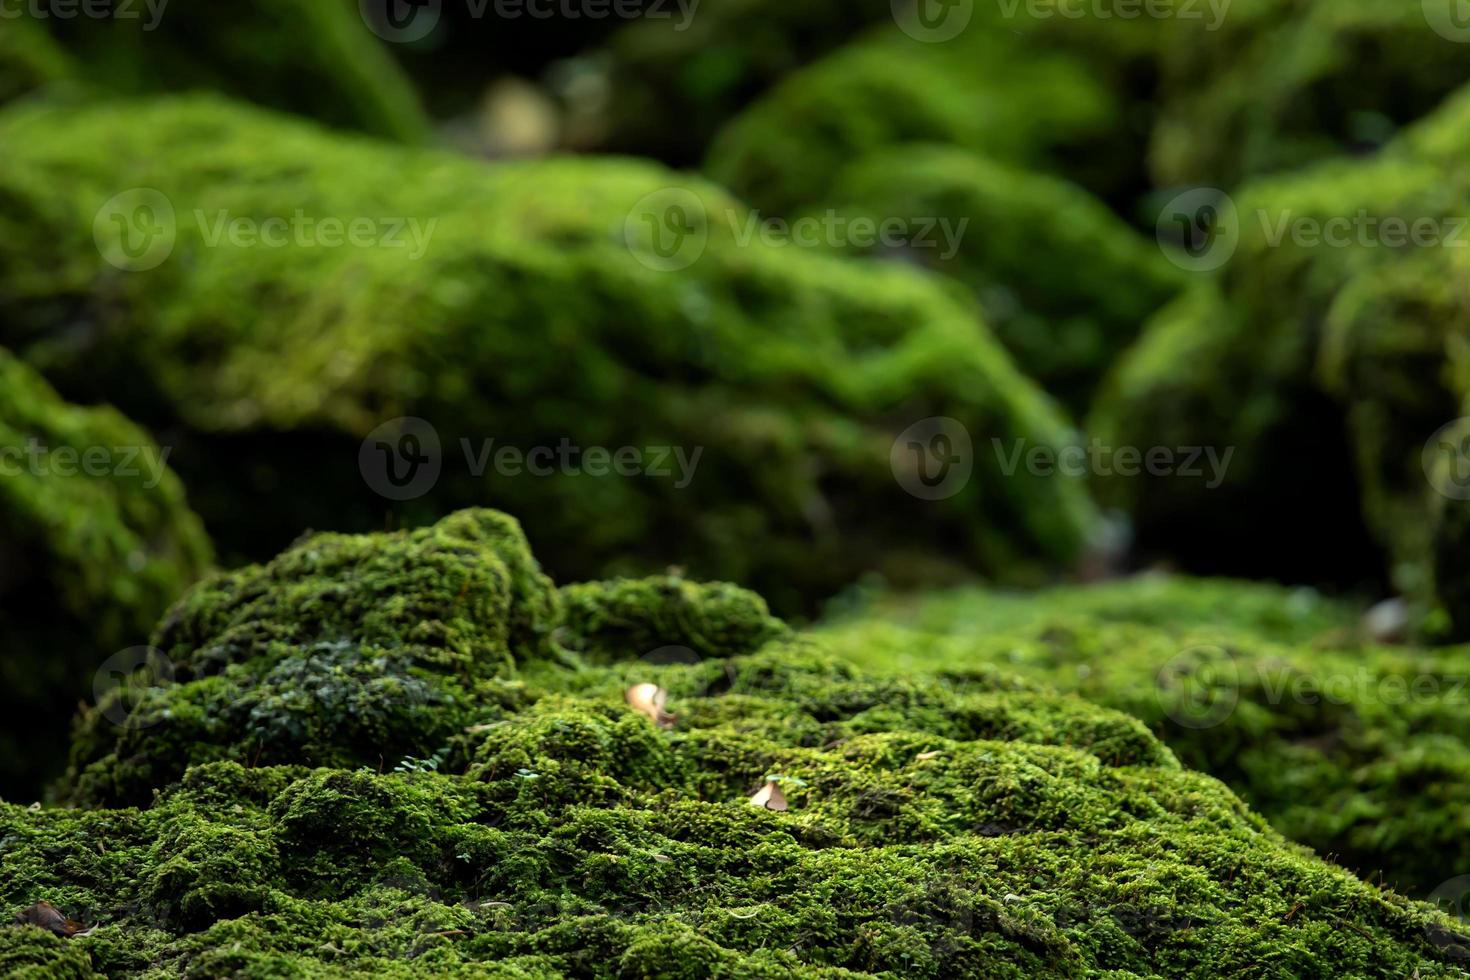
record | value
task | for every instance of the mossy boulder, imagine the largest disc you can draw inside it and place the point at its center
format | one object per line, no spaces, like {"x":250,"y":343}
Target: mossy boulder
{"x":762,"y":388}
{"x":1359,"y":751}
{"x":1064,"y":282}
{"x":1326,"y":352}
{"x":982,"y":92}
{"x":963,"y":825}
{"x":1281,"y":83}
{"x":669,"y":90}
{"x":96,"y":540}
{"x":314,"y":57}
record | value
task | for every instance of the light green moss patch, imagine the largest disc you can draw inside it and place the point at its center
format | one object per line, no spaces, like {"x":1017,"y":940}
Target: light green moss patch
{"x":1356,"y":750}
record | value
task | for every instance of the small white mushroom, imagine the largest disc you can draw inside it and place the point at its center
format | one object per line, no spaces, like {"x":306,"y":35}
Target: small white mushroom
{"x":649,"y":699}
{"x":770,"y":797}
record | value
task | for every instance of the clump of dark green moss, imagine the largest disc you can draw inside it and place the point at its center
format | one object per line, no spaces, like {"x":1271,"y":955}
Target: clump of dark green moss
{"x":964,"y":824}
{"x":96,"y":539}
{"x":1325,"y":362}
{"x":783,"y":375}
{"x":1359,"y":751}
{"x":29,"y":60}
{"x":1278,"y":84}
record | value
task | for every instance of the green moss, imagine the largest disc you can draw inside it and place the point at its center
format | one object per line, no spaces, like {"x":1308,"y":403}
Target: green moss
{"x":1282,"y":83}
{"x":1063,"y":281}
{"x":981,"y":92}
{"x":1356,"y":750}
{"x":963,"y":825}
{"x":343,"y":650}
{"x":789,"y":373}
{"x":29,"y":60}
{"x":314,"y":57}
{"x":670,"y":90}
{"x":96,"y":540}
{"x":1322,"y":364}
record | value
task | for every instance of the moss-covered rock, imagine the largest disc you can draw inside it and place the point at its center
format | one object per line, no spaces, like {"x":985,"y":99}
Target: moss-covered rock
{"x":315,"y":57}
{"x":1282,"y":83}
{"x":982,"y":92}
{"x":96,"y":540}
{"x":761,"y":388}
{"x":1326,"y":353}
{"x":1064,"y":282}
{"x":669,"y":90}
{"x":961,"y":825}
{"x":344,"y":650}
{"x":1356,"y":750}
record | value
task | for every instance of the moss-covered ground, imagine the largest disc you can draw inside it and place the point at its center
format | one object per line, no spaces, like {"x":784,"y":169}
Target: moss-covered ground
{"x":481,"y":799}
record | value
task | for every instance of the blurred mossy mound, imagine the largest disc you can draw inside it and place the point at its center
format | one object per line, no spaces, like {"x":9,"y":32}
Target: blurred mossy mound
{"x":962,"y":825}
{"x":313,"y":57}
{"x":1282,"y":83}
{"x":667,"y":91}
{"x":30,"y":60}
{"x":1063,"y":281}
{"x":1327,"y":351}
{"x":1360,"y":751}
{"x":537,"y":314}
{"x":982,"y":91}
{"x":96,"y":541}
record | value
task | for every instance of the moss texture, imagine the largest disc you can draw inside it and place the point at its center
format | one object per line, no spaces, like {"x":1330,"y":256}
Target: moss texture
{"x":96,"y":540}
{"x":668,"y":91}
{"x":1064,"y":282}
{"x":314,"y":57}
{"x":1356,"y":750}
{"x":1284,"y":83}
{"x":1329,"y":361}
{"x":531,"y":321}
{"x":981,"y":91}
{"x":963,"y":825}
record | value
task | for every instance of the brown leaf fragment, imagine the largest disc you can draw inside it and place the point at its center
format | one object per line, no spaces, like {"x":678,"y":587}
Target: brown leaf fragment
{"x":770,"y":797}
{"x":649,"y":699}
{"x":47,"y":916}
